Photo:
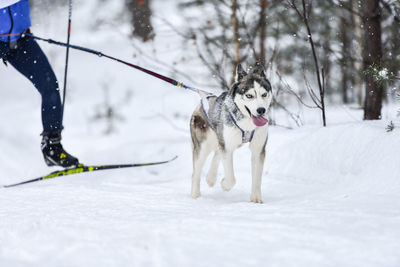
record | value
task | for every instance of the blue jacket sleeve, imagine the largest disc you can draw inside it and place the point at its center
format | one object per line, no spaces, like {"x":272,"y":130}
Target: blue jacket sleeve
{"x":14,"y":19}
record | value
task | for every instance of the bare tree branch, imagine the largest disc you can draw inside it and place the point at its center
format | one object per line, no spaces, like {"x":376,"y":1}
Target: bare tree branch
{"x":291,"y":91}
{"x":304,"y":16}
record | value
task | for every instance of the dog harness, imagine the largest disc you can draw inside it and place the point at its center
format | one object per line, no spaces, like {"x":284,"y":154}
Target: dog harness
{"x":205,"y":105}
{"x":247,"y":136}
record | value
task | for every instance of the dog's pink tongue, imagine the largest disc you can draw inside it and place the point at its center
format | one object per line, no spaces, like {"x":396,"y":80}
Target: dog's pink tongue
{"x":259,"y":121}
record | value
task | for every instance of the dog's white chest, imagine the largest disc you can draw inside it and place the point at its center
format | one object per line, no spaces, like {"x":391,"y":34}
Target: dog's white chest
{"x":232,"y":137}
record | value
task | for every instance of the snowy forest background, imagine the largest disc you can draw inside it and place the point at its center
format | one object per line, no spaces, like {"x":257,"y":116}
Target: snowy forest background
{"x":357,"y":47}
{"x":331,"y":194}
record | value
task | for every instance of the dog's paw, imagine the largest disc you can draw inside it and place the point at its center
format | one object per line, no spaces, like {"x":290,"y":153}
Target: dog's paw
{"x":256,"y":199}
{"x":227,"y":184}
{"x":195,"y":194}
{"x":211,"y":179}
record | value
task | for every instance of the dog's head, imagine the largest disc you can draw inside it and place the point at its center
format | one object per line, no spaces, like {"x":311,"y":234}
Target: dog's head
{"x":252,"y":93}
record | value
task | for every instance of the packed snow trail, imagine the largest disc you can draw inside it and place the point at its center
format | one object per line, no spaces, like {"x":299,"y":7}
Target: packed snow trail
{"x":312,"y":216}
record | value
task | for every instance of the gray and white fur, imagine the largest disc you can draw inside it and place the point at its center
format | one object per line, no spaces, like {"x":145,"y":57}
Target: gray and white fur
{"x":220,"y":130}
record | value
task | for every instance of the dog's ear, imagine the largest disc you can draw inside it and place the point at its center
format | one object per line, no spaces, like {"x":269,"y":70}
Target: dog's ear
{"x":240,"y":73}
{"x":258,"y":69}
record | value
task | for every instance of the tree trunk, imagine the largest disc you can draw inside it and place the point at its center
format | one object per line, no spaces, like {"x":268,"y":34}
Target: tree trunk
{"x":343,"y":61}
{"x":394,"y":63}
{"x":359,"y":49}
{"x":141,"y":14}
{"x":372,"y":56}
{"x":236,"y":40}
{"x":263,"y":22}
{"x":326,"y":63}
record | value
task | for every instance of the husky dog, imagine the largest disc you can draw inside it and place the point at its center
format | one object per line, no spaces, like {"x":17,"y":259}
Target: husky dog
{"x":224,"y":123}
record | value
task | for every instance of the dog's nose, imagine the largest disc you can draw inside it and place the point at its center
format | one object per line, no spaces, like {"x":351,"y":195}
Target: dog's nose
{"x":261,"y":111}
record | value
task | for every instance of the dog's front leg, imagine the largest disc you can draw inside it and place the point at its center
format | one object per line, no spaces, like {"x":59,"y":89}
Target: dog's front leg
{"x":257,"y":166}
{"x":227,"y":161}
{"x":257,"y":163}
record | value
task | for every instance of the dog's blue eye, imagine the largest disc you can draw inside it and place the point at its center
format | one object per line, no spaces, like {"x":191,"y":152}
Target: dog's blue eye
{"x":249,"y":96}
{"x":264,"y":95}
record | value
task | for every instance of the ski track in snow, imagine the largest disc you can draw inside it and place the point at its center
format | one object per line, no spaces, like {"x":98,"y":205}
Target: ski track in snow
{"x":331,"y":195}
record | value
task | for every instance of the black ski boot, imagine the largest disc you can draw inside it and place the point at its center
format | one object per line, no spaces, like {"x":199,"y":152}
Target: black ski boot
{"x":53,"y":152}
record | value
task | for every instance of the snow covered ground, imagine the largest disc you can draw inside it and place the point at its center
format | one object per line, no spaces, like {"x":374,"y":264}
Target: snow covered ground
{"x":331,"y":195}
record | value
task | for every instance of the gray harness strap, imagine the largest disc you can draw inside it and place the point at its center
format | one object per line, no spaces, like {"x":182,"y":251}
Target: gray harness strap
{"x":247,"y":136}
{"x":205,"y":105}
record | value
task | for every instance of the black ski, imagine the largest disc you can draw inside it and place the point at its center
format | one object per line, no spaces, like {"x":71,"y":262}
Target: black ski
{"x":82,"y":168}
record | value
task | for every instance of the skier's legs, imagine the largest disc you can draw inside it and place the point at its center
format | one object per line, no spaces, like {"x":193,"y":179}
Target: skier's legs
{"x":4,"y":47}
{"x":30,"y":60}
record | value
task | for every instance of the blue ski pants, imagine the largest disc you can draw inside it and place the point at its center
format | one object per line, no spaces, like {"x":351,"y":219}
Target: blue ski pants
{"x":29,"y":59}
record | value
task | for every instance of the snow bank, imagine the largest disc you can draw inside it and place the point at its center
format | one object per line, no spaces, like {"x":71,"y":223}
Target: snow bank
{"x":353,"y":152}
